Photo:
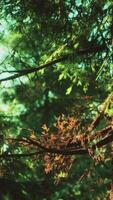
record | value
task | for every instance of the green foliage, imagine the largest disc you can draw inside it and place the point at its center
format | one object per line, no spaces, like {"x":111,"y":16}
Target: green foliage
{"x":37,"y":32}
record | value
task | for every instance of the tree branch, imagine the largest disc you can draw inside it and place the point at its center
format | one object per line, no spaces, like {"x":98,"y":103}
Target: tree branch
{"x":65,"y":152}
{"x":78,"y":52}
{"x":104,"y":141}
{"x":17,"y":155}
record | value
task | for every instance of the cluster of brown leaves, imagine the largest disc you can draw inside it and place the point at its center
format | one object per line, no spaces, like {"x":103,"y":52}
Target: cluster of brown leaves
{"x":66,"y":132}
{"x":69,"y":136}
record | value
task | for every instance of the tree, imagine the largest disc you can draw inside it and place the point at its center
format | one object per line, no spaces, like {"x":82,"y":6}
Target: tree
{"x":59,"y":61}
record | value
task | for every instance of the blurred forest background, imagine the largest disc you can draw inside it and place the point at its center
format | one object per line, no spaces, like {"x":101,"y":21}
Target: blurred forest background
{"x":55,"y":58}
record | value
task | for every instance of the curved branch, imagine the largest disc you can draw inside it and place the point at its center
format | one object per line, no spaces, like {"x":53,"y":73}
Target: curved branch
{"x":78,"y":52}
